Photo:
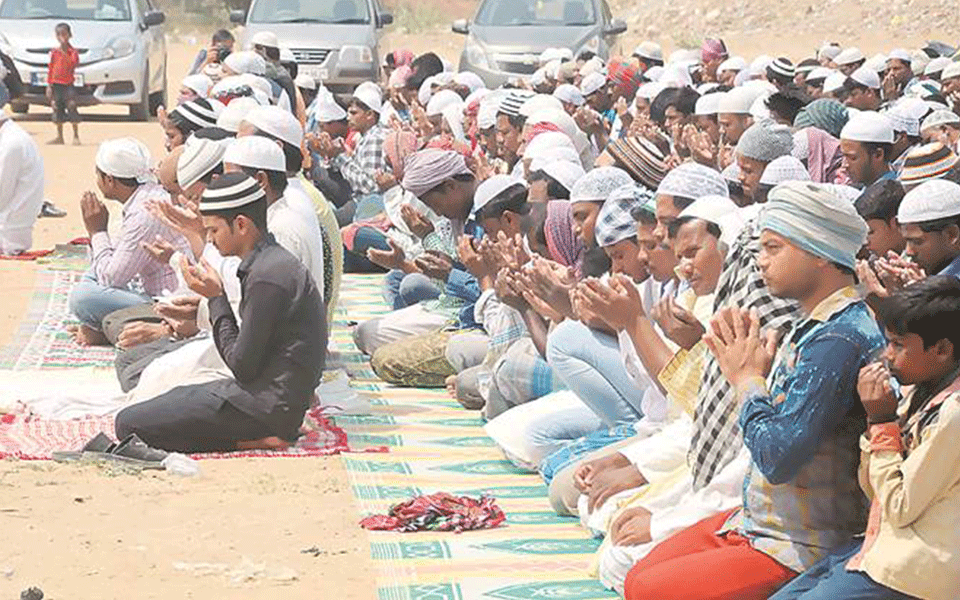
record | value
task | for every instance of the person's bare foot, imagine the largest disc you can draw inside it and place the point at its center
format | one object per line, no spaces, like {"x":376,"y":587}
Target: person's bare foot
{"x":451,"y":384}
{"x":57,"y":141}
{"x":268,"y":443}
{"x":87,"y":336}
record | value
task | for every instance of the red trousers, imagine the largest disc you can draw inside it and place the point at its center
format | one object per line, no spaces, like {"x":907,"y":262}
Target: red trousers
{"x":698,"y":564}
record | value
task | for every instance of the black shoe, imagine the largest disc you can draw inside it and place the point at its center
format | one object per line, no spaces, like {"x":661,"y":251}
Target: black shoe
{"x":50,"y":211}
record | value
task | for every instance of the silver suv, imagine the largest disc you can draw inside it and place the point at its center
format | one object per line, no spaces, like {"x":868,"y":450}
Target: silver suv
{"x":122,"y":47}
{"x":507,"y":37}
{"x":337,"y":42}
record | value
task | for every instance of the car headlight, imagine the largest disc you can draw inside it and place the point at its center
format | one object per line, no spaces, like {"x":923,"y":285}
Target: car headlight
{"x":476,"y":54}
{"x":120,"y":47}
{"x":356,"y":55}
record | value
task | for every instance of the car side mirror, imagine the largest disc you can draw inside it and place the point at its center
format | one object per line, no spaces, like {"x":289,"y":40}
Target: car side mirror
{"x":238,"y":16}
{"x":154,"y":18}
{"x":461,"y":26}
{"x":615,"y":27}
{"x":386,"y":19}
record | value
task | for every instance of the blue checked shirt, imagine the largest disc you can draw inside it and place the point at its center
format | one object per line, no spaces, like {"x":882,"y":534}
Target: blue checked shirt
{"x":801,"y":496}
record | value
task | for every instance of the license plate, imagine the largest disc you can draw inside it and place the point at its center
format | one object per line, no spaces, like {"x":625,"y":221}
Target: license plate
{"x":317,"y":72}
{"x":39,"y":78}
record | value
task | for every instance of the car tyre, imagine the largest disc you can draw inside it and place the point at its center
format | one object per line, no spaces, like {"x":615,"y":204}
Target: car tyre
{"x":158,"y":99}
{"x":141,"y":110}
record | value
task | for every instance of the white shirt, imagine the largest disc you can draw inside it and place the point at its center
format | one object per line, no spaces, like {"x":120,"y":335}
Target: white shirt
{"x":21,"y":187}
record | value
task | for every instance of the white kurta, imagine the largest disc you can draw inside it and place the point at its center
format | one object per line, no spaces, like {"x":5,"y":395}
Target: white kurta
{"x":21,"y":187}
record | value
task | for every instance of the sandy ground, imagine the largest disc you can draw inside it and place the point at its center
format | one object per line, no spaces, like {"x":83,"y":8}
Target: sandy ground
{"x":236,"y":531}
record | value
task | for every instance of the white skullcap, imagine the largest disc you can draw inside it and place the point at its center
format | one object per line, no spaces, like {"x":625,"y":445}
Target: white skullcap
{"x":936,"y":65}
{"x":267,"y":39}
{"x":900,"y":54}
{"x":592,"y":83}
{"x":569,"y":93}
{"x":551,"y":54}
{"x":938,"y":118}
{"x":125,"y":158}
{"x":834,"y":82}
{"x":469,"y":80}
{"x":708,"y":104}
{"x":199,"y":157}
{"x":597,"y":184}
{"x":287,"y":55}
{"x":692,"y":180}
{"x":199,"y":83}
{"x":650,"y":90}
{"x":759,"y":110}
{"x":849,"y":56}
{"x":487,"y":113}
{"x":566,"y":173}
{"x":819,"y":73}
{"x":538,"y":78}
{"x":653,"y":73}
{"x":676,"y":75}
{"x":277,"y":122}
{"x":905,"y":115}
{"x":304,"y":81}
{"x":492,"y":187}
{"x":868,"y":126}
{"x":828,"y":52}
{"x":722,"y":212}
{"x":255,"y":152}
{"x":919,"y":62}
{"x":866,"y":77}
{"x":785,"y":168}
{"x":649,"y":50}
{"x":877,"y":62}
{"x":930,"y":201}
{"x":369,"y":96}
{"x":552,"y":69}
{"x":765,"y":141}
{"x":594,"y":65}
{"x":950,"y":71}
{"x":476,"y":96}
{"x":738,"y":101}
{"x":235,"y":112}
{"x":246,"y":62}
{"x":550,"y":145}
{"x":260,"y":85}
{"x":326,"y":109}
{"x":441,"y":100}
{"x":734,"y":63}
{"x":538,"y":103}
{"x":759,"y":65}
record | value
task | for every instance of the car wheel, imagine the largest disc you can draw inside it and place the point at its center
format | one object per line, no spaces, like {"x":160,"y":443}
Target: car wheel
{"x":21,"y":108}
{"x":158,"y":99}
{"x":141,"y":110}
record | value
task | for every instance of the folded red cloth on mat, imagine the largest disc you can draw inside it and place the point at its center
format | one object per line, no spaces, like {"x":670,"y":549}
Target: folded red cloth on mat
{"x":438,"y":512}
{"x":35,"y":254}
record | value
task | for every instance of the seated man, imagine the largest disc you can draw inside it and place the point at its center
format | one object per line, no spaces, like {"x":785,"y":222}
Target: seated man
{"x":21,"y":186}
{"x":123,"y":273}
{"x":276,"y":353}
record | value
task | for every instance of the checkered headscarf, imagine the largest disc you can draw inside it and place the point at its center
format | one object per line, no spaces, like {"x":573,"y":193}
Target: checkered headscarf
{"x":716,"y":419}
{"x":615,"y":222}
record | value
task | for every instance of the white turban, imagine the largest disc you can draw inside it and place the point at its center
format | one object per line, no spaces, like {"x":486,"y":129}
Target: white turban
{"x":125,"y":158}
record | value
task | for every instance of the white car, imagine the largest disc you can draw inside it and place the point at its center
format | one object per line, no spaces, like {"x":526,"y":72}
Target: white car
{"x":122,"y":47}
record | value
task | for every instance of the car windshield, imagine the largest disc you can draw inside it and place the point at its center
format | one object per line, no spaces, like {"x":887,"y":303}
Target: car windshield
{"x":66,"y":10}
{"x":310,"y":11}
{"x":545,"y":13}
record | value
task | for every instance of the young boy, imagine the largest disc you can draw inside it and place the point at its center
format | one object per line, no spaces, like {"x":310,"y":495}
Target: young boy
{"x":878,"y":206}
{"x":911,"y":460}
{"x":60,"y":91}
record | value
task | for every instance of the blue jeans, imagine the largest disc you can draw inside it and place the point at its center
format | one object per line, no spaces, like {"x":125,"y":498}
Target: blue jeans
{"x":90,"y":302}
{"x":829,"y":580}
{"x":401,"y":290}
{"x":589,"y":363}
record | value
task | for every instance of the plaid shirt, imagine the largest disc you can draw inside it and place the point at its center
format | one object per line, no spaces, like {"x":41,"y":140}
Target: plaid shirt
{"x":123,"y":263}
{"x":716,"y":433}
{"x":360,"y":167}
{"x":801,"y":496}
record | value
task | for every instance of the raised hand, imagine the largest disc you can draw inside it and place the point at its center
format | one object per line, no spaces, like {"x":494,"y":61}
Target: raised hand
{"x":393,"y":258}
{"x":741,"y":352}
{"x":201,"y":278}
{"x":678,"y":323}
{"x":94,"y":212}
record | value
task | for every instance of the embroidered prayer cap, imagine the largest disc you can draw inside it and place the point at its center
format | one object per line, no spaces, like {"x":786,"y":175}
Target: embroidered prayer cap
{"x":818,"y":75}
{"x":569,"y":93}
{"x":722,"y":212}
{"x":305,"y":82}
{"x":870,"y":127}
{"x":594,"y":65}
{"x":199,"y":158}
{"x":246,"y":61}
{"x":427,"y":169}
{"x":441,"y":100}
{"x":849,"y":56}
{"x":734,"y":63}
{"x":784,"y":168}
{"x":199,"y":83}
{"x":826,"y":114}
{"x":256,"y":152}
{"x":230,"y":191}
{"x":813,"y":218}
{"x":370,"y":96}
{"x":649,"y":50}
{"x":930,"y":201}
{"x":592,"y":83}
{"x":327,"y":109}
{"x":782,"y":68}
{"x":493,"y":188}
{"x":277,"y":122}
{"x":235,"y":112}
{"x":866,"y":77}
{"x":923,"y":163}
{"x":738,"y":101}
{"x":765,"y":140}
{"x":201,"y":112}
{"x":950,"y":71}
{"x":692,"y":180}
{"x":598,"y":184}
{"x":512,"y":100}
{"x":834,"y":82}
{"x":900,"y":54}
{"x":938,"y":118}
{"x":708,"y":104}
{"x":920,"y":61}
{"x":566,"y":173}
{"x":936,"y":66}
{"x":615,"y":221}
{"x":641,"y":158}
{"x":538,"y":103}
{"x":125,"y":158}
{"x":905,"y":115}
{"x":877,"y":62}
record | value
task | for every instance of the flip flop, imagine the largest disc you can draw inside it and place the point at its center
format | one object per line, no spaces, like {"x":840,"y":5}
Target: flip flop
{"x":99,"y":443}
{"x":131,"y":451}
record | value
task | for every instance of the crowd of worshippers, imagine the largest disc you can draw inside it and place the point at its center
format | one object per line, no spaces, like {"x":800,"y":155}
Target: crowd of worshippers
{"x":714,"y":303}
